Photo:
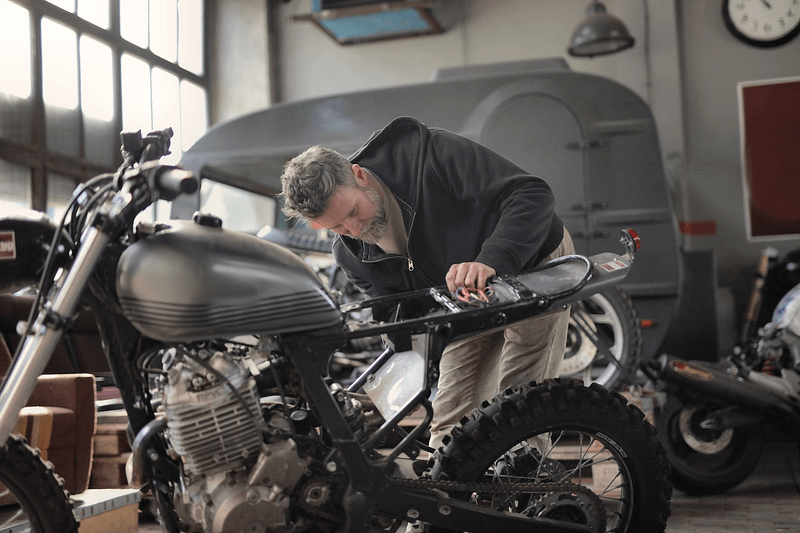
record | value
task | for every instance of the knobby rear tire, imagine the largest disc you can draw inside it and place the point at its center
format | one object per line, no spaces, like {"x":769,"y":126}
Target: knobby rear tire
{"x":40,"y":492}
{"x":598,"y":418}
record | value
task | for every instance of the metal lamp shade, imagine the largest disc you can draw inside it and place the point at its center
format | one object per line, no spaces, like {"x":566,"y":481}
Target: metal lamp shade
{"x":599,"y":34}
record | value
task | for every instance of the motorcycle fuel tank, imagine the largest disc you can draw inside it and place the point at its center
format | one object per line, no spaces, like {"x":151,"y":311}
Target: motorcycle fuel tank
{"x":189,"y":281}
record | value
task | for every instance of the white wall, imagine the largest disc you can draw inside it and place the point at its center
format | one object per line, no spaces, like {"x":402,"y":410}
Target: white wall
{"x":713,"y":63}
{"x":477,"y":32}
{"x":491,"y":31}
{"x":238,"y":57}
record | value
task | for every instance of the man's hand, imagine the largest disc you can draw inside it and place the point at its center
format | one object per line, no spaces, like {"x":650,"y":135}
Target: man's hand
{"x":472,"y":275}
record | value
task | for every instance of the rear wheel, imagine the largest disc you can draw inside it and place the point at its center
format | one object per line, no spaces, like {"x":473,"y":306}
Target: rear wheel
{"x":611,"y":319}
{"x":563,"y":432}
{"x":32,"y":492}
{"x":706,"y":461}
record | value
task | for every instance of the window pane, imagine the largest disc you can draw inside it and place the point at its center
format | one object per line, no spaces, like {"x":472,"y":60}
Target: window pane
{"x":164,"y":28}
{"x":194,"y":116}
{"x":136,"y":112}
{"x":61,"y":130}
{"x":239,"y":210}
{"x":68,"y":5}
{"x":133,"y":16}
{"x":59,"y":194}
{"x":16,"y":118}
{"x":190,"y":35}
{"x":15,"y":50}
{"x":97,"y":84}
{"x":166,"y":108}
{"x":101,"y":142}
{"x":15,"y":186}
{"x":95,"y":11}
{"x":59,"y":65}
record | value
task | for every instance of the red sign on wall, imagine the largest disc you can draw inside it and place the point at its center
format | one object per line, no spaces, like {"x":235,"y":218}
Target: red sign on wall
{"x":770,"y":139}
{"x":8,"y":246}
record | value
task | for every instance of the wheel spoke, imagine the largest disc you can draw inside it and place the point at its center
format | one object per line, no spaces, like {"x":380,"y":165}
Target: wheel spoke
{"x":604,"y":318}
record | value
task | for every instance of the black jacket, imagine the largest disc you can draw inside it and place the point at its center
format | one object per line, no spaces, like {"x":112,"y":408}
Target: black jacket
{"x":460,"y":201}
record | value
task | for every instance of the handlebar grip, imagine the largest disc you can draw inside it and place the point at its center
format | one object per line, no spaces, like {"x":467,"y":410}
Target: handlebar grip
{"x":171,"y":182}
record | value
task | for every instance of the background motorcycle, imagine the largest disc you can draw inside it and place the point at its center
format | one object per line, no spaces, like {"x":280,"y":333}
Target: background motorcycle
{"x":714,"y":422}
{"x":219,"y":343}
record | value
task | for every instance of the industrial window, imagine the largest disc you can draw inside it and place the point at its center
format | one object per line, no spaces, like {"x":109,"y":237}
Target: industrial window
{"x":240,"y":210}
{"x":77,"y":72}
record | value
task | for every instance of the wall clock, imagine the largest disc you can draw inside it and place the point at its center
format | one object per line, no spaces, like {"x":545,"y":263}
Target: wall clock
{"x":764,"y":23}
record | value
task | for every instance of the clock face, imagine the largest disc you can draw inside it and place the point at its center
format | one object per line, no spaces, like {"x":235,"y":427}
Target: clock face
{"x":762,"y":22}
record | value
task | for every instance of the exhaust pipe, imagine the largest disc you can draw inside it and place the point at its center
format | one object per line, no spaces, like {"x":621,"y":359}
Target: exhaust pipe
{"x":718,"y":384}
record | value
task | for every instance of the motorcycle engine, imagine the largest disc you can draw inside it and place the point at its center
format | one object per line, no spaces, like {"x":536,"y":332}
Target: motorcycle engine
{"x":234,"y":479}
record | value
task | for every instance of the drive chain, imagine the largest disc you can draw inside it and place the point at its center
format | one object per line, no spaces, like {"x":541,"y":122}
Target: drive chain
{"x":465,"y":486}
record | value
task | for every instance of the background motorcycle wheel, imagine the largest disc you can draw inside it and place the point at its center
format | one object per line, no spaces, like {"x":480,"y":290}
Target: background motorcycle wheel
{"x":595,"y":439}
{"x":612,"y":317}
{"x":706,"y":461}
{"x":40,"y":493}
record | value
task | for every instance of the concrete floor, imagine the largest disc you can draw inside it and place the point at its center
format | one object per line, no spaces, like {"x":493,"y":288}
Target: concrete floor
{"x":768,"y":501}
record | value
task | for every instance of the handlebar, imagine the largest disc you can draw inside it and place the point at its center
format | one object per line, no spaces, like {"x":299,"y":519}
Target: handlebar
{"x":152,"y":147}
{"x":165,"y":182}
{"x":171,"y":182}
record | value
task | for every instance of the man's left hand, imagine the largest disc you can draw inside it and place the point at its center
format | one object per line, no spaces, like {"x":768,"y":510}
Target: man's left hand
{"x":472,"y":275}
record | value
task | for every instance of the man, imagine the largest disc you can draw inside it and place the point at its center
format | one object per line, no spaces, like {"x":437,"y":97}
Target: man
{"x":418,"y":207}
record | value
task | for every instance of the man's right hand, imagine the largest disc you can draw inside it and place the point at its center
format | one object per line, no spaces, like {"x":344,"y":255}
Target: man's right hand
{"x":472,"y":275}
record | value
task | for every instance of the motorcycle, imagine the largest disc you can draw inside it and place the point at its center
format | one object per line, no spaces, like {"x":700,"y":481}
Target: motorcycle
{"x":219,"y":343}
{"x":716,"y":414}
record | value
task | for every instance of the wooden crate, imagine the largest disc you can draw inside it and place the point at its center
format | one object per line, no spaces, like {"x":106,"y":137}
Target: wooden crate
{"x":108,"y":510}
{"x":111,"y":440}
{"x":109,"y":472}
{"x":111,"y":451}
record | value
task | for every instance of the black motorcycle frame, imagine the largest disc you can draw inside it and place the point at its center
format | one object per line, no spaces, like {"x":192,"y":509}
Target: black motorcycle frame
{"x":368,"y":493}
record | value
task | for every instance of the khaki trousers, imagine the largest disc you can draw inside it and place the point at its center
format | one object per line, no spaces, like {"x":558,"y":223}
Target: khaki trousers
{"x":476,"y":369}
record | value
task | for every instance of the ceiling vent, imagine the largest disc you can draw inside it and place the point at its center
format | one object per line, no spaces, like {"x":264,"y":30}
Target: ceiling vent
{"x":358,"y":21}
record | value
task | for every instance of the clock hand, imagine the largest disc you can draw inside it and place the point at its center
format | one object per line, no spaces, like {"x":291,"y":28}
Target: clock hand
{"x":766,"y":4}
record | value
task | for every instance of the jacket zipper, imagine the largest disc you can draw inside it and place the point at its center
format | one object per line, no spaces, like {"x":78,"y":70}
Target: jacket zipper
{"x":408,"y":236}
{"x":409,"y":260}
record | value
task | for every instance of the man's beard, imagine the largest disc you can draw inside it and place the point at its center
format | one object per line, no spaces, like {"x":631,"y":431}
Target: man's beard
{"x":379,"y":223}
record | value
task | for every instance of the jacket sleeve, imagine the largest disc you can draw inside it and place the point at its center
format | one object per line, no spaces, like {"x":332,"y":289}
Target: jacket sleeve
{"x":521,"y":204}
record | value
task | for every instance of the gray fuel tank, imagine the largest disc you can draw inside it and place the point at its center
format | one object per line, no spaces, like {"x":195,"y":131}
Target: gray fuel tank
{"x":191,"y":282}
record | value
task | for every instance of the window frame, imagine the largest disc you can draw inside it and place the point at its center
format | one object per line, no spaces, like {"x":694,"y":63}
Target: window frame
{"x":36,"y":154}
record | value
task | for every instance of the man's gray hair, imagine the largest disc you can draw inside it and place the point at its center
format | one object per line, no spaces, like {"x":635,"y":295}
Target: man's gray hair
{"x":311,"y":178}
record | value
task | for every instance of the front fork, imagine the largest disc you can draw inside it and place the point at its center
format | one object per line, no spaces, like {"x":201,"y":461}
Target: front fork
{"x":39,"y":339}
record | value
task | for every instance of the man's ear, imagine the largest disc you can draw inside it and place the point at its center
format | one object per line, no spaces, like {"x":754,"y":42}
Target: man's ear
{"x":362,"y":178}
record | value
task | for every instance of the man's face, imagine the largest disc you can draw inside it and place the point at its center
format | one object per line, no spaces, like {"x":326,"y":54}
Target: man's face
{"x":356,"y":211}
